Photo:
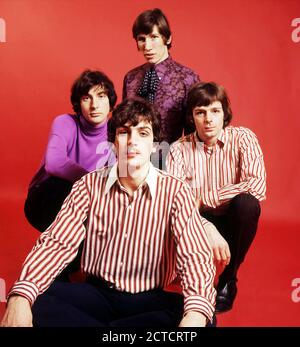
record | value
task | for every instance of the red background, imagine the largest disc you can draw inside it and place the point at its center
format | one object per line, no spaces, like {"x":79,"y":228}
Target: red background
{"x":245,"y":45}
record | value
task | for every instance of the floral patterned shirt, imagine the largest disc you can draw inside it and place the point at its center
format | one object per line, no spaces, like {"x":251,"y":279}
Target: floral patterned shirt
{"x":175,"y":80}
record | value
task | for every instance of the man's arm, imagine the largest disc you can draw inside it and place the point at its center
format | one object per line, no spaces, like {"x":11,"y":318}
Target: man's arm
{"x":18,"y":313}
{"x":56,"y":247}
{"x":175,"y":165}
{"x":124,"y":89}
{"x":194,"y":260}
{"x":252,"y":173}
{"x":57,"y":163}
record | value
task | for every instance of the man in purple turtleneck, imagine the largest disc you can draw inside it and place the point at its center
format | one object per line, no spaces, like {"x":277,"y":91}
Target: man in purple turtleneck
{"x":77,"y":145}
{"x":161,"y":80}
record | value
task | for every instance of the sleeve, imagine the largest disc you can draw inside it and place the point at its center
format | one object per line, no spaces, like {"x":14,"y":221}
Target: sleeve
{"x":124,"y":90}
{"x":192,"y":79}
{"x":252,"y":172}
{"x":57,"y":162}
{"x":194,"y":256}
{"x":56,"y":247}
{"x":175,"y":165}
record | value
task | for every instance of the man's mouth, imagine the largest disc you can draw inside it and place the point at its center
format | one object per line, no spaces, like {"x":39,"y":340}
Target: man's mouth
{"x":149,"y":56}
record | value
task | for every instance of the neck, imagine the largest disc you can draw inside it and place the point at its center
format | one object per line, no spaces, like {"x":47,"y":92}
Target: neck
{"x":211,"y":142}
{"x":134,"y":178}
{"x":166,"y":56}
{"x":91,"y":128}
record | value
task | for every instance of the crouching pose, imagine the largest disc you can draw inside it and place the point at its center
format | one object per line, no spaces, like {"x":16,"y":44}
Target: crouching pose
{"x":224,"y":166}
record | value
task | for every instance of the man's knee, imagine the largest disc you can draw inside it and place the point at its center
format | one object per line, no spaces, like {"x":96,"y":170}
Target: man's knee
{"x":245,"y":204}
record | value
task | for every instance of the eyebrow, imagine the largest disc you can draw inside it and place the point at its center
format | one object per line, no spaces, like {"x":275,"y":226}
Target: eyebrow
{"x":140,"y":128}
{"x":101,"y":91}
{"x":202,"y":107}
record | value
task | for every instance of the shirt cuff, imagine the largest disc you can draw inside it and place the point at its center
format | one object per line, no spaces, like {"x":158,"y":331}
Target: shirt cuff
{"x":26,"y":289}
{"x":198,"y":303}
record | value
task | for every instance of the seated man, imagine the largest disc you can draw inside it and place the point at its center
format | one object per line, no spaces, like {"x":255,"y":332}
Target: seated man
{"x":224,"y":166}
{"x":77,"y":145}
{"x":140,"y":226}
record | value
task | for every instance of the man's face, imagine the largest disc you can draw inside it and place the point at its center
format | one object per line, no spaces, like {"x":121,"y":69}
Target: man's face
{"x":134,"y":145}
{"x":209,"y":121}
{"x":153,"y":46}
{"x":95,"y":106}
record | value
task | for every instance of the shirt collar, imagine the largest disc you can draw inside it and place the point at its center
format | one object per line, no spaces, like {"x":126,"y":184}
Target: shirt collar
{"x":151,"y":179}
{"x":221,"y":137}
{"x":162,"y":67}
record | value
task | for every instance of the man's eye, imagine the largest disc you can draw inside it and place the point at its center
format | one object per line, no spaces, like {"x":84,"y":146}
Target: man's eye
{"x":85,"y":98}
{"x":144,"y":133}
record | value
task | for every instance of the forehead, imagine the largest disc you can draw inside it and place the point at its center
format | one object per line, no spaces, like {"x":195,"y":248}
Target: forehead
{"x":154,"y":31}
{"x":215,"y":104}
{"x":97,"y":89}
{"x":142,"y":123}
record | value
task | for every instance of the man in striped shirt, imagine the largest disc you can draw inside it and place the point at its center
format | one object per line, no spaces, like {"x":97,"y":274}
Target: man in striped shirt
{"x":225,"y":168}
{"x":140,"y":226}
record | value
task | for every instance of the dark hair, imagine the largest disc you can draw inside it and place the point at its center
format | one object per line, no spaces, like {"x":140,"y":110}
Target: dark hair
{"x":85,"y":82}
{"x":203,"y":94}
{"x":133,"y":110}
{"x":145,"y":22}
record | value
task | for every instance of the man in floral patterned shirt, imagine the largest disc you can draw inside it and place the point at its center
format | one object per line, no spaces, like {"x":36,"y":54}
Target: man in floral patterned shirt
{"x":160,"y":80}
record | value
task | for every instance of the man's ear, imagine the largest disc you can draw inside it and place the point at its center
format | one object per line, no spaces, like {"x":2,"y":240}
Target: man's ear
{"x":169,"y":40}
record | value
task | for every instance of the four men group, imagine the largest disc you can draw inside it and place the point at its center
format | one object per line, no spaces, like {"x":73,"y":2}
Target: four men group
{"x":141,"y":227}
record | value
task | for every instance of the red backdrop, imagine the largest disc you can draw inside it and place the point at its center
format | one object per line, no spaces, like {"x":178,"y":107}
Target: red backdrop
{"x":251,"y":47}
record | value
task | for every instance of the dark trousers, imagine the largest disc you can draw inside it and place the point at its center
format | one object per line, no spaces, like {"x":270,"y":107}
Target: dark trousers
{"x":95,"y":304}
{"x":45,"y":200}
{"x":238,"y":227}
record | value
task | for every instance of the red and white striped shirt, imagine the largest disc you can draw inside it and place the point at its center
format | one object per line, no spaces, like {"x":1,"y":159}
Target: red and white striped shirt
{"x":136,"y":243}
{"x":217,"y":174}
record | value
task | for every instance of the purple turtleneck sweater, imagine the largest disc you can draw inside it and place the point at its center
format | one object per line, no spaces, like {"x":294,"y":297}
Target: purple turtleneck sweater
{"x":74,"y":149}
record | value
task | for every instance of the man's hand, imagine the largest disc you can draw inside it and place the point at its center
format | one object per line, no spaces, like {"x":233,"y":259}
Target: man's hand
{"x":193,"y":320}
{"x":219,"y":246}
{"x":18,"y":313}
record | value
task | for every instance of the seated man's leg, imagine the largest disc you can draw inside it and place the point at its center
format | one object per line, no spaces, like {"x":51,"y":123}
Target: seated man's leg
{"x":71,"y":305}
{"x":242,"y":221}
{"x":154,"y":308}
{"x":238,"y":227}
{"x":45,"y":200}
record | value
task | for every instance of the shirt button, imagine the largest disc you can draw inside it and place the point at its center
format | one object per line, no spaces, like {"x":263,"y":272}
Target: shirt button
{"x":125,"y":235}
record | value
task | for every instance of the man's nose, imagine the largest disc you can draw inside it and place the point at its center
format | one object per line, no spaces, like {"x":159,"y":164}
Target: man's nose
{"x":94,"y":103}
{"x":132,"y":139}
{"x":148,"y":44}
{"x":208,"y":117}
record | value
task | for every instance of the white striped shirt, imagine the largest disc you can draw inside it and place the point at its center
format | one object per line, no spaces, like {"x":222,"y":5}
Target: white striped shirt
{"x":217,"y":174}
{"x":136,"y":243}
